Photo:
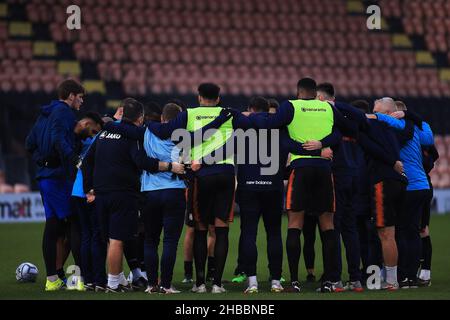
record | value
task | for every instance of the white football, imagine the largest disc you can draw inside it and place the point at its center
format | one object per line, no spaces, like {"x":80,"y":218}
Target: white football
{"x":26,"y":272}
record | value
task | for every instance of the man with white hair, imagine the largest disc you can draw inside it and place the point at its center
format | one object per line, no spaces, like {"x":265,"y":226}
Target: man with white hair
{"x":430,"y":156}
{"x":407,"y":233}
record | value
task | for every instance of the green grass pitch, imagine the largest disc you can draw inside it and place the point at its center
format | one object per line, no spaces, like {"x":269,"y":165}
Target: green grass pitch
{"x":22,"y":242}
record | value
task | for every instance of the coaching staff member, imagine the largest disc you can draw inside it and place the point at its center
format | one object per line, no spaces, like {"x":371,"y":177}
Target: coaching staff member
{"x":113,"y":168}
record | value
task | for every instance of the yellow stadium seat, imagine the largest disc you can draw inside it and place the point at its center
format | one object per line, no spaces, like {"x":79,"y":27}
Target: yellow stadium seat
{"x":94,"y":86}
{"x":69,"y":68}
{"x":424,"y":58}
{"x":444,"y":74}
{"x":400,"y":40}
{"x":44,"y":48}
{"x":22,"y":29}
{"x":3,"y":10}
{"x":114,"y":104}
{"x":355,"y":7}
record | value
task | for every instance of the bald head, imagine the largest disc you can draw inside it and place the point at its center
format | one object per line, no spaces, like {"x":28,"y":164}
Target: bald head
{"x":385,"y":105}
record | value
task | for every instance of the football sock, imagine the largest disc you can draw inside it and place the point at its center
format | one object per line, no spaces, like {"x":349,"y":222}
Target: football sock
{"x":113,"y":281}
{"x":211,"y":263}
{"x":122,"y":280}
{"x":252,"y":281}
{"x":220,"y":253}
{"x":391,"y":274}
{"x":276,"y":283}
{"x":200,"y":253}
{"x":293,"y":250}
{"x":188,"y":268}
{"x":309,"y":237}
{"x":425,"y":274}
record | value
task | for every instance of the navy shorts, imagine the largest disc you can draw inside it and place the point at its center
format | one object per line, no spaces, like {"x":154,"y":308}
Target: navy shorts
{"x":56,"y":194}
{"x":118,"y":214}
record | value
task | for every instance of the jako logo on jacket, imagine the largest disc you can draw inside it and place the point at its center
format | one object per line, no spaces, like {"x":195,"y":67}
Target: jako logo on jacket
{"x":106,"y":135}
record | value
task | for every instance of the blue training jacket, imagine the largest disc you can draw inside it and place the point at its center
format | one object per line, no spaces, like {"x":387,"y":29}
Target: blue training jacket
{"x":164,"y":150}
{"x":411,"y":152}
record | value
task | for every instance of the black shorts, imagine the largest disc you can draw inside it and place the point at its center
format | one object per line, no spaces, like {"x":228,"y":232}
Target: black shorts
{"x":387,"y":202}
{"x":213,"y":197}
{"x":425,"y":218}
{"x":311,"y":189}
{"x":118,"y":215}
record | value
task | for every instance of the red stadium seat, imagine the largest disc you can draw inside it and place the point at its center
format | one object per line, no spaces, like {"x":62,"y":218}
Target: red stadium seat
{"x":297,"y":35}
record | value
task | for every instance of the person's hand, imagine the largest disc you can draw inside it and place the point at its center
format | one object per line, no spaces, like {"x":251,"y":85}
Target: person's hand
{"x":178,"y":168}
{"x":90,"y":196}
{"x":327,"y":153}
{"x":398,"y":114}
{"x":228,"y":112}
{"x":119,"y":113}
{"x":398,"y":166}
{"x":371,"y":116}
{"x":246,"y":113}
{"x":312,"y":145}
{"x":195,"y":166}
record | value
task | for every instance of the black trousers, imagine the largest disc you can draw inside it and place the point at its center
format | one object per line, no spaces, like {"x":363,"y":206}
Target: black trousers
{"x":408,"y":233}
{"x":254,"y":205}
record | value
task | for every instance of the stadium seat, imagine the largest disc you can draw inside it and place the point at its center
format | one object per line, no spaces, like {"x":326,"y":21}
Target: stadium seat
{"x":20,"y":29}
{"x":240,"y":19}
{"x":323,"y":39}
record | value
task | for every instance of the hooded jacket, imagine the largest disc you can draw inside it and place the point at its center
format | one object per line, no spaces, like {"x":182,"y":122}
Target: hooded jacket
{"x":51,"y":142}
